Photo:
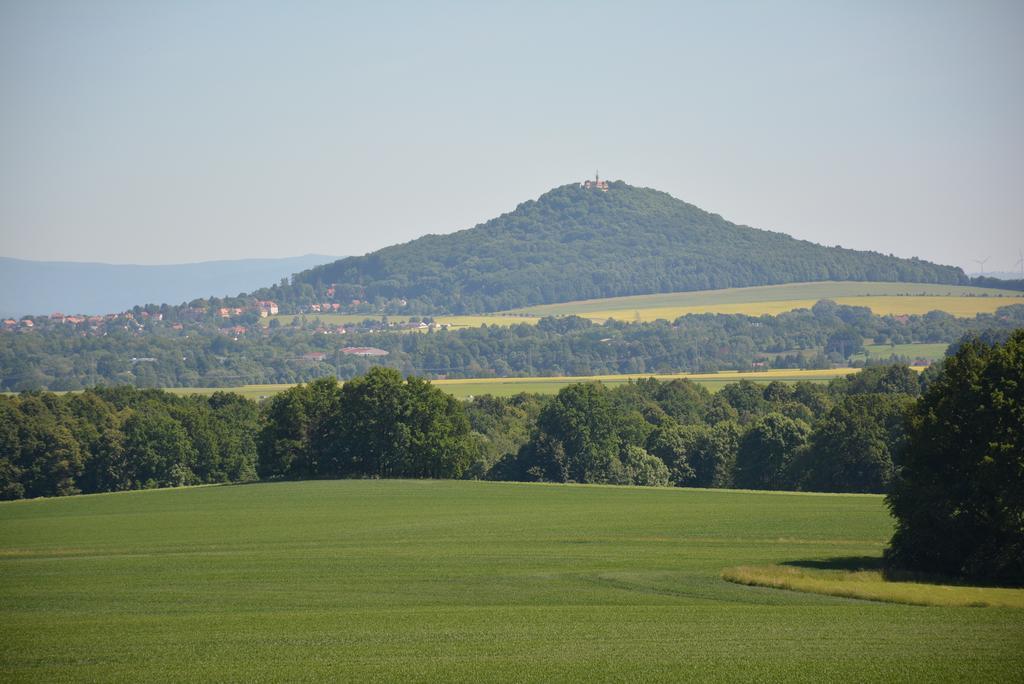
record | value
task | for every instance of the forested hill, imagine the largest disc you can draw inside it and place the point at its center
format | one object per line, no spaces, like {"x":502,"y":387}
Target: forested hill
{"x":579,"y":243}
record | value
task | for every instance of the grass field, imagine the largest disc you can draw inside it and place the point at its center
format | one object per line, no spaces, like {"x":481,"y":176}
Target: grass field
{"x":462,"y":581}
{"x":505,"y":387}
{"x":930,"y":352}
{"x":881,"y":298}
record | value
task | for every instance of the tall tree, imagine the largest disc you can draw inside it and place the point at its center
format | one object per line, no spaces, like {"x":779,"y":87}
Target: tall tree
{"x":576,"y":438}
{"x":767,"y":450}
{"x":959,"y":497}
{"x":855,"y":447}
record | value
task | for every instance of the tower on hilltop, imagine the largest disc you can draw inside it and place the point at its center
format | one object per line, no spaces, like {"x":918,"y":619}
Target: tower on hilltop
{"x":596,"y":184}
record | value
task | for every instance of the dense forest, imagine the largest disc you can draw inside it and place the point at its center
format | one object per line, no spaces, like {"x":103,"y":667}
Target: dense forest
{"x":578,"y":243}
{"x":56,"y":356}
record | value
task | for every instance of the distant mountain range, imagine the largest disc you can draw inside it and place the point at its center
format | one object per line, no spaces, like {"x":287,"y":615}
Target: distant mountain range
{"x":42,"y":287}
{"x":586,"y":241}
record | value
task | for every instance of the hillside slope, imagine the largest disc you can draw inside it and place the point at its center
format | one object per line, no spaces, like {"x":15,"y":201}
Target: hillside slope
{"x":578,"y":243}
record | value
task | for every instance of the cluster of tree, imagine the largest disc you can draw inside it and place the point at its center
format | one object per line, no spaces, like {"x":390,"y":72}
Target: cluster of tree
{"x":573,"y":243}
{"x":112,"y":439}
{"x":958,"y":497}
{"x":377,"y":425}
{"x":826,"y":334}
{"x":843,"y":437}
{"x":998,"y":283}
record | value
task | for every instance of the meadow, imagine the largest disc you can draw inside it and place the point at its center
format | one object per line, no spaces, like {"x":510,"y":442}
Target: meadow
{"x":918,"y":350}
{"x":881,"y":298}
{"x":464,"y":388}
{"x":463,"y":581}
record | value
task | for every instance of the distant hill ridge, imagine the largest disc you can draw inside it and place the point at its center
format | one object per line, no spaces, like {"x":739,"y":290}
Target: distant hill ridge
{"x":577,"y":242}
{"x":42,"y":287}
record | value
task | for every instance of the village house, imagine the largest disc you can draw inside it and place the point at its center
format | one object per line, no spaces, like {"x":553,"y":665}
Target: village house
{"x":315,"y":356}
{"x":267,"y":308}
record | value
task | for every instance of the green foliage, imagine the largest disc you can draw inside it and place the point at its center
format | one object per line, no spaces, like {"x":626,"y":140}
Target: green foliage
{"x":502,"y":427}
{"x":378,"y":425}
{"x":111,"y":439}
{"x":675,"y":444}
{"x":767,"y":451}
{"x":845,"y":342}
{"x":59,"y":357}
{"x":890,"y":379}
{"x":959,"y":497}
{"x":856,"y":446}
{"x":746,"y":397}
{"x":576,"y":438}
{"x":843,"y":437}
{"x":714,"y":453}
{"x":573,"y":243}
{"x":641,"y":468}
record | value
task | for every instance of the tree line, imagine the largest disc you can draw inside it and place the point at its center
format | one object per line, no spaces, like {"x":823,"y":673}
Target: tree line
{"x":119,"y":438}
{"x":837,"y":437}
{"x":62,"y":359}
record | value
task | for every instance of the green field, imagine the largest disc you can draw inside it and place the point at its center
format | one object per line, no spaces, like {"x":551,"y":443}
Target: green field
{"x":881,"y":298}
{"x":930,"y":352}
{"x":506,"y":387}
{"x":465,"y":581}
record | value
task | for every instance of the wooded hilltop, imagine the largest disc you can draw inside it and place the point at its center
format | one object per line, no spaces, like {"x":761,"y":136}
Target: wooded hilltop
{"x":576,"y":243}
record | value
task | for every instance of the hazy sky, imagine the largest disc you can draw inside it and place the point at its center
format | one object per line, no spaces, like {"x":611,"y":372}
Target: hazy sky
{"x":159,"y":132}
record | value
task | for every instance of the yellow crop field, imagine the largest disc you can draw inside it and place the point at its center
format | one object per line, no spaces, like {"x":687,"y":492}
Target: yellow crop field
{"x":881,"y":298}
{"x":463,"y":388}
{"x":881,"y":305}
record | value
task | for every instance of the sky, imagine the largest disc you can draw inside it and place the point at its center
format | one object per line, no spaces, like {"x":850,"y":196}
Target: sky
{"x":166,"y":132}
